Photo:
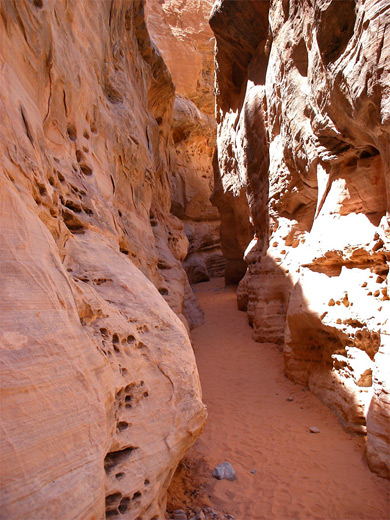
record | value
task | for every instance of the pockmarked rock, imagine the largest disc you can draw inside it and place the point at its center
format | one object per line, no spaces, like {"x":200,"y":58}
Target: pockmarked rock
{"x":99,"y":388}
{"x":302,"y":172}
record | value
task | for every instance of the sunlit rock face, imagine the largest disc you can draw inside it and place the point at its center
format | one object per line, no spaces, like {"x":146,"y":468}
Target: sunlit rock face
{"x":303,"y":112}
{"x":182,"y":33}
{"x":100,"y":392}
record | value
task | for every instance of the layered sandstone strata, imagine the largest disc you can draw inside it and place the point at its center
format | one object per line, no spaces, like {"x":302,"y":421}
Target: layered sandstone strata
{"x":303,"y":112}
{"x":100,"y":393}
{"x":182,"y":33}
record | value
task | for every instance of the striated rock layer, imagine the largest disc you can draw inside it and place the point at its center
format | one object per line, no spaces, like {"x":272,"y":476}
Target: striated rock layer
{"x":182,"y":33}
{"x":303,"y":113}
{"x":100,"y":393}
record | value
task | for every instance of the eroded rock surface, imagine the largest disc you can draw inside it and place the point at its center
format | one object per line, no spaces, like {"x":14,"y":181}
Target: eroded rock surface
{"x":100,"y":394}
{"x":303,"y":114}
{"x":182,"y":33}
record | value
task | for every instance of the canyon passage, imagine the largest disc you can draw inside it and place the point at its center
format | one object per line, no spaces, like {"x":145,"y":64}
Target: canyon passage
{"x":260,"y":422}
{"x":147,"y":146}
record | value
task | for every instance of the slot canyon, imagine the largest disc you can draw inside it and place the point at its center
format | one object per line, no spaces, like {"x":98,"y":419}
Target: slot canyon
{"x":194,"y":259}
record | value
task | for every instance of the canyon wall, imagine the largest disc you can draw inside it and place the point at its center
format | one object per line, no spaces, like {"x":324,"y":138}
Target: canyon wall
{"x":183,"y":35}
{"x":303,"y":168}
{"x":100,"y":393}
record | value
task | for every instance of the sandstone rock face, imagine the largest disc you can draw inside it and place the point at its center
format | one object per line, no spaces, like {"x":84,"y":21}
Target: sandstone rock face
{"x":182,"y":33}
{"x":100,"y":393}
{"x":303,"y":114}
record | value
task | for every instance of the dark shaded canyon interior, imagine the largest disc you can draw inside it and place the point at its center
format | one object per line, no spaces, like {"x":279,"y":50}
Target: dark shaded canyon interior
{"x":124,"y":181}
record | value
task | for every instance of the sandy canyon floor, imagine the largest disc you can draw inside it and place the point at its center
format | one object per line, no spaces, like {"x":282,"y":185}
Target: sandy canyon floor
{"x":259,"y":421}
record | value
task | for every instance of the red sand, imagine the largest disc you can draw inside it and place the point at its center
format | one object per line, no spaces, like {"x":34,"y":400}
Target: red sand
{"x":299,"y":475}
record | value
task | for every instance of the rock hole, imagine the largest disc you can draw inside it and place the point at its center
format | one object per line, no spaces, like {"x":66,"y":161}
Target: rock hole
{"x":336,"y":29}
{"x":86,"y":169}
{"x":163,"y":291}
{"x":124,"y":504}
{"x":112,"y":513}
{"x":38,"y":3}
{"x":73,"y":206}
{"x":112,"y":499}
{"x":285,"y":6}
{"x":146,"y":394}
{"x":72,"y":132}
{"x":113,"y":95}
{"x":116,"y":349}
{"x":87,"y":210}
{"x":300,"y":58}
{"x":368,"y":152}
{"x":136,"y":495}
{"x":128,"y":398}
{"x":86,"y":134}
{"x":115,"y":338}
{"x":115,"y":458}
{"x":73,"y":223}
{"x":130,"y":339}
{"x":122,"y":426}
{"x":146,"y":482}
{"x":120,"y":475}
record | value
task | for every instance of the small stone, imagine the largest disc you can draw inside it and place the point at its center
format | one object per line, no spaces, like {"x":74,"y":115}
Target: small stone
{"x":290,"y":399}
{"x":180,"y":514}
{"x":224,"y":471}
{"x":254,"y":471}
{"x":314,"y":429}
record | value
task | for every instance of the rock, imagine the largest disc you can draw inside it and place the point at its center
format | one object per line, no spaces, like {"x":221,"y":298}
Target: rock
{"x":224,"y":471}
{"x":290,"y":399}
{"x":314,"y":429}
{"x":254,"y":471}
{"x":184,"y":37}
{"x":303,"y":167}
{"x":180,"y":514}
{"x":90,"y":255}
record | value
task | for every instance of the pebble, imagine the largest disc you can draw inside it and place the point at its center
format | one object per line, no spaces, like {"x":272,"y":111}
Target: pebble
{"x":254,"y":471}
{"x":314,"y":429}
{"x":179,"y":514}
{"x":224,"y":471}
{"x":290,"y":399}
